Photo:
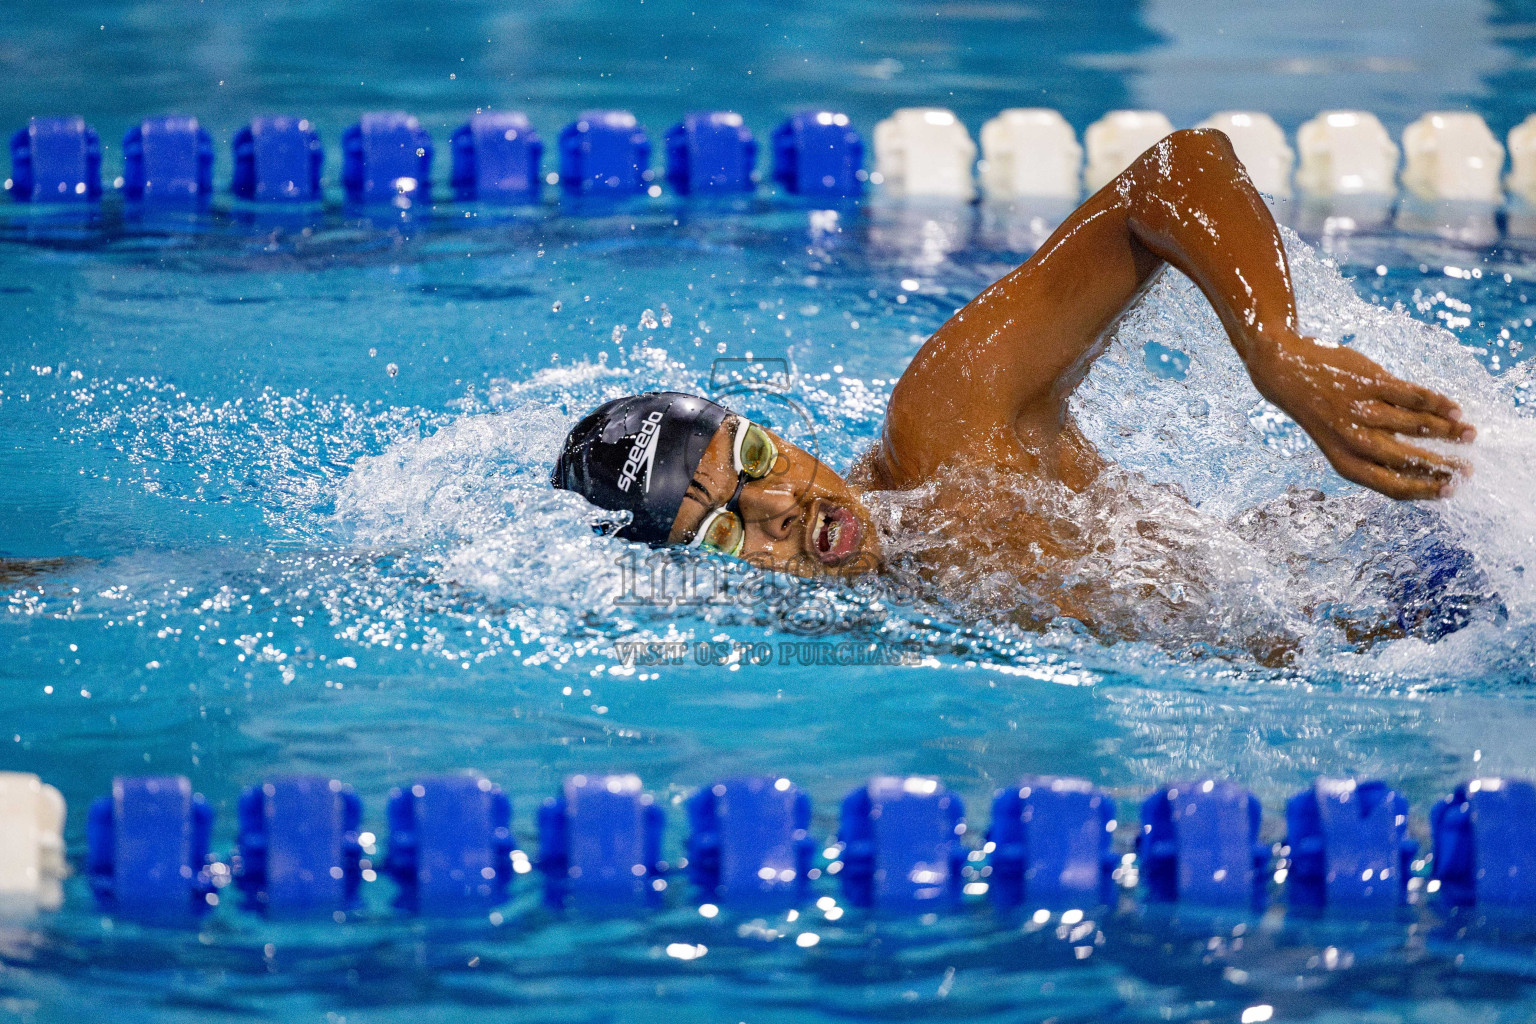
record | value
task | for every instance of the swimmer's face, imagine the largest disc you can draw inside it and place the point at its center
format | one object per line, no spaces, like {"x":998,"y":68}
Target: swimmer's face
{"x":800,"y":518}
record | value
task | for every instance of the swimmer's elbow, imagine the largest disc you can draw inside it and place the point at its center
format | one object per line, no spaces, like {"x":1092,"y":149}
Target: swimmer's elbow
{"x":1200,"y":146}
{"x":1189,"y":154}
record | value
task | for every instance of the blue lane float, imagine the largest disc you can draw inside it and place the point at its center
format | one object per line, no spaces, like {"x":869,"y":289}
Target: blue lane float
{"x":1052,"y":844}
{"x":386,"y":158}
{"x":605,"y":152}
{"x":450,"y":845}
{"x":817,"y":153}
{"x":147,"y":849}
{"x":168,"y":160}
{"x":1199,"y":844}
{"x":711,"y":151}
{"x":277,"y":160}
{"x":1485,"y":846}
{"x":901,"y":844}
{"x":1349,"y":847}
{"x":451,"y":850}
{"x":56,"y":160}
{"x":750,"y":841}
{"x":1450,"y":158}
{"x":600,"y":842}
{"x":299,"y":852}
{"x":497,"y":158}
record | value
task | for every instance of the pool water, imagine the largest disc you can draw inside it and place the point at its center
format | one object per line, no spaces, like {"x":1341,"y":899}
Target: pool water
{"x":281,"y":496}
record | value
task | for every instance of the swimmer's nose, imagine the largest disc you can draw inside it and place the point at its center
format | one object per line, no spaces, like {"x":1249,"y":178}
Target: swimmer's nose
{"x":782,"y":526}
{"x":775,"y":514}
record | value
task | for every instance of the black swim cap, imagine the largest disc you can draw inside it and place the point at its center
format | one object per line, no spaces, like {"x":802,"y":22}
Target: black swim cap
{"x":637,"y":454}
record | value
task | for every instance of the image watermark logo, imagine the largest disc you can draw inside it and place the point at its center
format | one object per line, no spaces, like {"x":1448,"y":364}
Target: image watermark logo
{"x":677,"y":580}
{"x":793,"y":653}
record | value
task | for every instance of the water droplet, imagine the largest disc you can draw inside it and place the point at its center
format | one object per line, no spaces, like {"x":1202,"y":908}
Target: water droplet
{"x":618,"y":333}
{"x":556,"y":306}
{"x":648,"y":320}
{"x":392,"y":370}
{"x":666,"y":316}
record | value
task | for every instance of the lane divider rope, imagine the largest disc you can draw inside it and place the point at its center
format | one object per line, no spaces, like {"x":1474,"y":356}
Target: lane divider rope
{"x":301,"y":848}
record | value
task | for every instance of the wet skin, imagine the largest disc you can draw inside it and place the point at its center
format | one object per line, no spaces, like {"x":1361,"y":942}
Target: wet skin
{"x":989,"y":390}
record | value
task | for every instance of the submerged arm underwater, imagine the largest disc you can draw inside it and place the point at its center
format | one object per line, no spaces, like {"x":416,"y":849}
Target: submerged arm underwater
{"x":992,"y":384}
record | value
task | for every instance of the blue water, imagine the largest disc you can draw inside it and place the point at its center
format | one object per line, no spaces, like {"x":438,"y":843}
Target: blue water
{"x":293,"y":484}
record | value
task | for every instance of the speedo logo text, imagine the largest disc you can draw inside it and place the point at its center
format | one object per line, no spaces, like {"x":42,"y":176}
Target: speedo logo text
{"x":642,"y":453}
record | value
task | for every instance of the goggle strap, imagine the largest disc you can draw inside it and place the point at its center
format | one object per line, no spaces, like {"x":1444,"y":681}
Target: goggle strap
{"x":704,"y":525}
{"x":742,"y":426}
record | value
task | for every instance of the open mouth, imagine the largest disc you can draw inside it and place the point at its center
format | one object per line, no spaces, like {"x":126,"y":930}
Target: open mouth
{"x":835,"y":534}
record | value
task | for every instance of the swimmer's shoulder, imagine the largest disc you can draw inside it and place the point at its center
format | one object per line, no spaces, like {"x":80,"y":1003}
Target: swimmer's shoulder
{"x":869,"y":471}
{"x":913,"y":451}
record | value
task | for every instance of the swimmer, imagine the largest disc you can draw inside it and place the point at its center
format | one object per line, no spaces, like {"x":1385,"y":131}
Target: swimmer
{"x":984,"y":404}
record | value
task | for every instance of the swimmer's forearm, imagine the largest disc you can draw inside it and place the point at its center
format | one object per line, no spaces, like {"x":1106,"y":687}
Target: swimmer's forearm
{"x":1195,"y":207}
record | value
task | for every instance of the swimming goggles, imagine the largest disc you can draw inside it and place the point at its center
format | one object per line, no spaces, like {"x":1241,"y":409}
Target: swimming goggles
{"x":753,"y":454}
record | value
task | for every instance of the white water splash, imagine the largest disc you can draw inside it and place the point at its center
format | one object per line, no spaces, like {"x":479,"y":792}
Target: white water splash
{"x":1234,"y":454}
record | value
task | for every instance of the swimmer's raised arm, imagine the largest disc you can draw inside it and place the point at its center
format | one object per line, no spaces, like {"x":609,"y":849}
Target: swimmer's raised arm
{"x":992,"y":383}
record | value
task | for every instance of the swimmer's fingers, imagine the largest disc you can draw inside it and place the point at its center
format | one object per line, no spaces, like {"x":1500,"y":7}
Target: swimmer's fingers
{"x":1389,"y":482}
{"x":1399,"y":420}
{"x":1386,"y":449}
{"x":1401,"y":393}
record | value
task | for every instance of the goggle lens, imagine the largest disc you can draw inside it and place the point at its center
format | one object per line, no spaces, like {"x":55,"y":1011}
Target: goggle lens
{"x":755,"y":451}
{"x":722,"y":532}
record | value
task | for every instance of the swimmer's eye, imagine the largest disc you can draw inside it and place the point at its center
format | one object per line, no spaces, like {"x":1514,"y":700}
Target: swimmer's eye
{"x":755,"y":451}
{"x":722,"y":532}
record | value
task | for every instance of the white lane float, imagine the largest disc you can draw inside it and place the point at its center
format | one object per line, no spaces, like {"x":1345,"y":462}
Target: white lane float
{"x":1346,"y":152}
{"x":1030,"y":152}
{"x":1522,"y":160}
{"x":1117,"y":139}
{"x":925,"y":151}
{"x":1261,"y":145}
{"x":31,"y":845}
{"x":1452,"y":155}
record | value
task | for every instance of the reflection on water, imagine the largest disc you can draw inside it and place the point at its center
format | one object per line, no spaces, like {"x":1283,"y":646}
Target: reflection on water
{"x":1020,"y":225}
{"x":1342,"y":214}
{"x":1463,"y":221}
{"x":920,"y":232}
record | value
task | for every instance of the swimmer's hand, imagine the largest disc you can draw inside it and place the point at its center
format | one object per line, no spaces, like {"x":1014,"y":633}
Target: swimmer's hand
{"x":1355,"y":411}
